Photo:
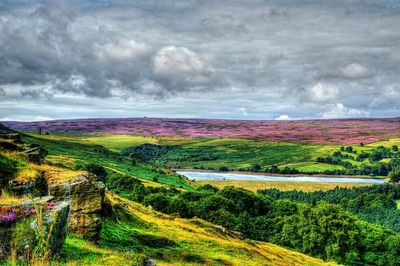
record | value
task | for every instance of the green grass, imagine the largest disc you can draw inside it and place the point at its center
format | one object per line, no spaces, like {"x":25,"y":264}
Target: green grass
{"x":312,"y":167}
{"x":175,"y":241}
{"x":386,"y":143}
{"x":142,"y":233}
{"x":70,"y":152}
{"x":118,"y":142}
{"x":283,"y":186}
{"x":243,"y":153}
{"x":191,"y":153}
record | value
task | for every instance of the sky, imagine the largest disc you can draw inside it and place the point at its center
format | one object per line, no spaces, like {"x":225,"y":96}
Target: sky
{"x":233,"y":59}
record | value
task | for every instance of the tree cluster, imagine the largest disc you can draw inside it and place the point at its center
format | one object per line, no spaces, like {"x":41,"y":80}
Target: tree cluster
{"x":320,"y":229}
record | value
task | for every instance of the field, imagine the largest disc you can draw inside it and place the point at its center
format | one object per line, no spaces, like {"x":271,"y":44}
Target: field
{"x":283,"y":186}
{"x":342,"y":132}
{"x":193,"y":153}
{"x":232,"y":153}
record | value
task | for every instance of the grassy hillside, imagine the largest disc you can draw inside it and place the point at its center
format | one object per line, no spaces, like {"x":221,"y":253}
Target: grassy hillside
{"x":203,"y":153}
{"x":71,"y":152}
{"x":141,"y":232}
{"x":234,"y":154}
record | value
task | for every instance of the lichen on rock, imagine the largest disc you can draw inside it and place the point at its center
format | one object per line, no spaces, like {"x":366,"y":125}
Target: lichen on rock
{"x":86,"y":197}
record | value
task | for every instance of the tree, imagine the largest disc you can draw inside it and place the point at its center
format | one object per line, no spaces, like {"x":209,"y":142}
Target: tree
{"x":394,"y":175}
{"x":97,"y":170}
{"x":393,"y":250}
{"x":223,"y":169}
{"x":158,"y":201}
{"x":256,"y":168}
{"x":395,"y":148}
{"x":349,"y":149}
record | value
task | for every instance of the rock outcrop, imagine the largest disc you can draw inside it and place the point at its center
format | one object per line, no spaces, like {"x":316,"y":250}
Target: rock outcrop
{"x":36,"y":187}
{"x":18,"y":234}
{"x":86,"y":197}
{"x":35,"y":154}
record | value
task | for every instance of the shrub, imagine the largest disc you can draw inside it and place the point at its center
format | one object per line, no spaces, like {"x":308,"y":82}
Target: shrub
{"x":394,"y":175}
{"x":97,"y":170}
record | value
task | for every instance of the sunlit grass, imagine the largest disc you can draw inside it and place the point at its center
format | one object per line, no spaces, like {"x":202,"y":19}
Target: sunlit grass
{"x":7,"y":198}
{"x":56,"y":175}
{"x":118,"y":142}
{"x":386,"y":143}
{"x":194,"y":241}
{"x":312,"y":167}
{"x":283,"y":186}
{"x":28,"y":173}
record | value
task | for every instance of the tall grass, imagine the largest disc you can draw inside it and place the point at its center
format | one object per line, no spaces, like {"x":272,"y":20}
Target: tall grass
{"x":41,"y":252}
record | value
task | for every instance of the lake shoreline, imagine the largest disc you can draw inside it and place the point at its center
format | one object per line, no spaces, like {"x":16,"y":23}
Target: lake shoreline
{"x":276,"y":174}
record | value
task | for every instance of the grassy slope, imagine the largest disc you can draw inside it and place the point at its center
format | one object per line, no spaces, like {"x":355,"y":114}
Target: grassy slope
{"x":239,"y":153}
{"x":139,"y":232}
{"x":173,"y":241}
{"x":71,"y":151}
{"x":234,"y":153}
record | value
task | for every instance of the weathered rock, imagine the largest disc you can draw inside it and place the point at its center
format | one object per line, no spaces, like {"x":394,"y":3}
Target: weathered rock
{"x":9,"y":145}
{"x":36,"y":187}
{"x":150,"y":262}
{"x":20,"y":236}
{"x":87,"y":225}
{"x":9,"y":135}
{"x":35,"y":154}
{"x":86,"y":197}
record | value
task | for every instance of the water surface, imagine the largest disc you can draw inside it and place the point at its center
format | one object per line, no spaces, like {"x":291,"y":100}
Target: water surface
{"x":230,"y":176}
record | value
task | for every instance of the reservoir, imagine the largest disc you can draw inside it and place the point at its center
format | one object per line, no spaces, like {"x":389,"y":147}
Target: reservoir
{"x":192,"y":175}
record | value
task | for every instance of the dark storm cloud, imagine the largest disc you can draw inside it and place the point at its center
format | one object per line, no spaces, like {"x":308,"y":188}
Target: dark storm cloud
{"x":52,"y":46}
{"x":325,"y":57}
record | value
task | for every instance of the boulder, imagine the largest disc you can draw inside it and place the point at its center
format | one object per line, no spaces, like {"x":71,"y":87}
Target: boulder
{"x":87,"y":198}
{"x":19,"y":235}
{"x":35,"y":155}
{"x":87,"y":225}
{"x":36,"y":187}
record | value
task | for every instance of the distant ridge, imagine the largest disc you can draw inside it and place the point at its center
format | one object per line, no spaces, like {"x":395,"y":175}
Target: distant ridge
{"x":336,"y":131}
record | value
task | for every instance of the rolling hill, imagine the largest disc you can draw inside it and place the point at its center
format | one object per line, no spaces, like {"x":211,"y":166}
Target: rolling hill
{"x":340,"y":131}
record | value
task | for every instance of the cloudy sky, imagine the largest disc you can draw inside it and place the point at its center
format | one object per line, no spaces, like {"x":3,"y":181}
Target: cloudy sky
{"x":249,"y":59}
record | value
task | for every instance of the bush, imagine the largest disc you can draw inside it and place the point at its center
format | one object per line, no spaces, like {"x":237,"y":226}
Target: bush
{"x":394,"y":175}
{"x":97,"y":170}
{"x":159,"y":201}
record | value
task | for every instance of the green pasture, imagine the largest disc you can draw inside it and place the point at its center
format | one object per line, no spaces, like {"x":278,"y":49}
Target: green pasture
{"x":189,"y":153}
{"x":70,"y":152}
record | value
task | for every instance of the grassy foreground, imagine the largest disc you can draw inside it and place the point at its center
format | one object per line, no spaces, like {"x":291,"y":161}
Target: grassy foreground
{"x":141,"y":232}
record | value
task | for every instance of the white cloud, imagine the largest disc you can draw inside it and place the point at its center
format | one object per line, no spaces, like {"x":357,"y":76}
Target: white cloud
{"x":287,"y":117}
{"x":354,"y":71}
{"x":122,"y":50}
{"x":392,"y":92}
{"x":323,"y":92}
{"x":181,"y":64}
{"x":35,"y":118}
{"x":341,"y":111}
{"x":243,"y":110}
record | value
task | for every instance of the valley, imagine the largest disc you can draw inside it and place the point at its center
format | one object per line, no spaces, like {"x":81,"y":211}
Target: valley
{"x":174,"y":199}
